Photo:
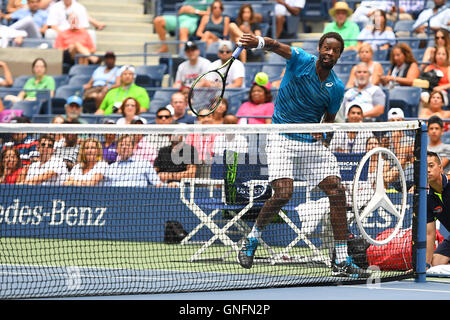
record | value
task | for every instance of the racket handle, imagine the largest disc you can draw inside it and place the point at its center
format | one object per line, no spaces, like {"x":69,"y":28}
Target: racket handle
{"x":237,"y":52}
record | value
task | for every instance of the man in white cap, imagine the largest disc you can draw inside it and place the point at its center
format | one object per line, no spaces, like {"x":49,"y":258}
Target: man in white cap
{"x":236,"y":74}
{"x":113,"y":99}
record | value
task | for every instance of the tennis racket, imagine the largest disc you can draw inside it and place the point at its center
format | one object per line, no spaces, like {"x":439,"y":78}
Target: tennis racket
{"x":207,"y":91}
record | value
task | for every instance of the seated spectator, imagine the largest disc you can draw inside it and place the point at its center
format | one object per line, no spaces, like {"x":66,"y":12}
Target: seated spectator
{"x":73,"y":107}
{"x":176,"y":161}
{"x":404,"y":68}
{"x":246,"y":22}
{"x":379,"y":35}
{"x":11,"y":169}
{"x":214,"y":26}
{"x":284,"y":9}
{"x":39,"y":81}
{"x":365,"y":53}
{"x":236,"y":73}
{"x":49,"y":170}
{"x":369,"y":97}
{"x":30,"y":19}
{"x":163,"y":116}
{"x":203,"y":143}
{"x":351,"y":142}
{"x":58,"y":17}
{"x":109,"y":144}
{"x":218,"y":116}
{"x":130,"y":110}
{"x":74,"y":41}
{"x":365,"y":11}
{"x":434,"y":18}
{"x":7,"y":79}
{"x":180,"y":107}
{"x":69,"y":149}
{"x":259,"y":104}
{"x":23,"y":142}
{"x":90,"y":169}
{"x":233,"y":142}
{"x":348,"y":30}
{"x":143,"y":149}
{"x":114,"y":98}
{"x":441,"y":39}
{"x":435,"y":107}
{"x":188,"y":20}
{"x":440,"y":63}
{"x":194,"y":66}
{"x":130,"y":172}
{"x":435,"y":132}
{"x":104,"y":78}
{"x":59,"y":137}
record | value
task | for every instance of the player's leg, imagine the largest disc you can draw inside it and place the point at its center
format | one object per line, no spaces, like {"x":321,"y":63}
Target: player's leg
{"x":442,"y":253}
{"x":282,"y":190}
{"x":280,"y":166}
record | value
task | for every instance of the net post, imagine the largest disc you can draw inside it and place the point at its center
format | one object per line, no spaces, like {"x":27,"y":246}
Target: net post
{"x":422,"y":212}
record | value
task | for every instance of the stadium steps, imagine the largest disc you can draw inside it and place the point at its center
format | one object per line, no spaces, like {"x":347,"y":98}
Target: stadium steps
{"x":127,"y":27}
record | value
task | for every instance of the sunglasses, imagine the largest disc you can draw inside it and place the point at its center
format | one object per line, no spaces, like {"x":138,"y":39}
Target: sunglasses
{"x":224,"y":51}
{"x":46,"y":145}
{"x":163,"y":117}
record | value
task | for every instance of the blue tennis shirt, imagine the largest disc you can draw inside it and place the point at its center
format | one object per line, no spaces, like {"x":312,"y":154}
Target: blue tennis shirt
{"x":302,"y":97}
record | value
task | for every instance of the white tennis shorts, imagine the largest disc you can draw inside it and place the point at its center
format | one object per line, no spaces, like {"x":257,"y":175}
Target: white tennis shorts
{"x":297,"y":160}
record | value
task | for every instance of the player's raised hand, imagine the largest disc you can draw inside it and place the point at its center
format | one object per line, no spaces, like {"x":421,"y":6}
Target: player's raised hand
{"x":248,"y":41}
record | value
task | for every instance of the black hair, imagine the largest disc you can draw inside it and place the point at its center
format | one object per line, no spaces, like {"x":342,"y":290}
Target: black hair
{"x":162,"y":109}
{"x":333,"y":35}
{"x":435,"y":119}
{"x":434,"y":155}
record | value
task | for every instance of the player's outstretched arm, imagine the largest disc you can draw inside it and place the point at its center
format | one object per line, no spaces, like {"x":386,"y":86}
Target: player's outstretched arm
{"x":250,"y":41}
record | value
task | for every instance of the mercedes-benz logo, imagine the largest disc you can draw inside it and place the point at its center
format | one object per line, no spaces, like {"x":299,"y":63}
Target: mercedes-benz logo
{"x":379,"y":199}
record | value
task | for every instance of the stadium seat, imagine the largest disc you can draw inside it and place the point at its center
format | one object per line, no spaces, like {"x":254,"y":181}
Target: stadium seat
{"x":407,"y":99}
{"x":20,"y":81}
{"x":82,"y":69}
{"x":57,"y":105}
{"x":251,"y":69}
{"x":60,"y":80}
{"x":274,"y":71}
{"x":343,"y":67}
{"x":211,"y":51}
{"x":161,"y":98}
{"x":66,"y":91}
{"x":418,"y":53}
{"x":79,"y":80}
{"x":150,"y":76}
{"x":446,"y":138}
{"x":349,"y":56}
{"x":404,"y":26}
{"x":37,"y":43}
{"x":235,"y":98}
{"x":381,"y":55}
{"x":29,"y":108}
{"x":275,"y":58}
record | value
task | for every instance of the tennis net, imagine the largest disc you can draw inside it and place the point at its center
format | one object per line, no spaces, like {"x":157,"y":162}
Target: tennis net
{"x":133,"y":209}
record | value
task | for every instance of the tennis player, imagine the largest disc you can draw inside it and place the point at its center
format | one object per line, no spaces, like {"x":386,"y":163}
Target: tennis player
{"x":310,"y":92}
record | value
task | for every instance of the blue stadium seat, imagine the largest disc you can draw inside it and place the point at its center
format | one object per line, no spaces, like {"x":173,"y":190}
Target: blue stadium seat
{"x":274,"y":71}
{"x":57,"y":105}
{"x":446,"y":138}
{"x":37,"y":43}
{"x":251,"y":69}
{"x":211,"y":51}
{"x":79,"y":80}
{"x":418,"y":53}
{"x":349,"y":56}
{"x":380,"y":55}
{"x":67,"y":91}
{"x":82,"y":69}
{"x":161,"y":98}
{"x":407,"y":99}
{"x":404,"y":26}
{"x":30,"y":108}
{"x":235,"y":98}
{"x":344,"y":76}
{"x":60,"y":80}
{"x":343,"y":67}
{"x":150,"y":76}
{"x":275,"y":58}
{"x":19,"y":82}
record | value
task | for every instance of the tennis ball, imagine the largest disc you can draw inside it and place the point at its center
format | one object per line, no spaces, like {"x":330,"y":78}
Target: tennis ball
{"x":261,"y":78}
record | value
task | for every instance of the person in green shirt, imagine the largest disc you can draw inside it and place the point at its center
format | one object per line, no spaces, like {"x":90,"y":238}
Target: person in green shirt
{"x":188,"y":18}
{"x":114,"y":97}
{"x":39,"y":81}
{"x":342,"y":25}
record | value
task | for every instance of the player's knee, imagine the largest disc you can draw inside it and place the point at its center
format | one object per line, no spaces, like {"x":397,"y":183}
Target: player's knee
{"x":332,"y":186}
{"x":282,"y":192}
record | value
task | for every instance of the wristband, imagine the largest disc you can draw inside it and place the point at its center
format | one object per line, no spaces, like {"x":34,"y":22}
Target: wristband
{"x":261,"y":42}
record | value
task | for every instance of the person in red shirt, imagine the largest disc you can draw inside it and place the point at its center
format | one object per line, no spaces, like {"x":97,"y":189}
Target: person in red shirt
{"x":11,"y":170}
{"x":75,"y":41}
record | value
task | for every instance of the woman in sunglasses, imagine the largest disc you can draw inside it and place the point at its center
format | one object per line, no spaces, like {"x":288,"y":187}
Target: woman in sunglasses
{"x":441,"y":39}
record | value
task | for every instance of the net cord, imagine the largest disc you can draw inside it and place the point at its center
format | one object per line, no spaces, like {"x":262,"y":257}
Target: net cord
{"x":202,"y":128}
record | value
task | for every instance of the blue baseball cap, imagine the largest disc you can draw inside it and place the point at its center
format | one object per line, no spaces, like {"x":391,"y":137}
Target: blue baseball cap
{"x":75,"y":99}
